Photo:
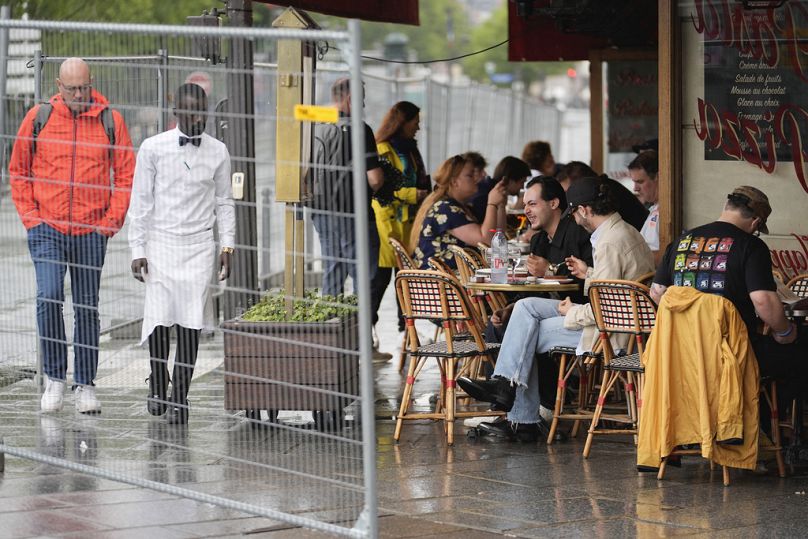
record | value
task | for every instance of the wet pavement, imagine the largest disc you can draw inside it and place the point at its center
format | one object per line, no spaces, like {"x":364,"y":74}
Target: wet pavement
{"x":477,"y":488}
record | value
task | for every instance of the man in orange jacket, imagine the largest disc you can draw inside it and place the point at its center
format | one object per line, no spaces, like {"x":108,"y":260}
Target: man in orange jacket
{"x":61,"y":186}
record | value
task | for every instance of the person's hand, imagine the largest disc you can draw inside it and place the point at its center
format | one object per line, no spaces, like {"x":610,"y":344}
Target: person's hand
{"x":576,"y":266}
{"x":788,"y":339}
{"x":140,"y":267}
{"x":421,"y":194}
{"x":225,"y":262}
{"x":501,"y":316}
{"x":497,"y":195}
{"x":536,"y":265}
{"x":564,"y":306}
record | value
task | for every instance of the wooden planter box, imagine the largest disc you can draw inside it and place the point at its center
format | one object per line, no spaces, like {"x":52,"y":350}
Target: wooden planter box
{"x":261,"y":358}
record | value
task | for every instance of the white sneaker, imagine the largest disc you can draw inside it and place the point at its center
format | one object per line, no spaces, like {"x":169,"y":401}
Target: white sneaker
{"x":53,"y":397}
{"x":474,"y":422}
{"x":546,"y":414}
{"x":86,"y":401}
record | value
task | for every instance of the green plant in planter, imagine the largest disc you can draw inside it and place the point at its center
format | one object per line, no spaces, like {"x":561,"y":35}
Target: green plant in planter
{"x":312,"y":307}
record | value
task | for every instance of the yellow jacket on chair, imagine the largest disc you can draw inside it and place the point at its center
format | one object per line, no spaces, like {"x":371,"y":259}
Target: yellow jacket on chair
{"x":394,"y":220}
{"x":701,"y":381}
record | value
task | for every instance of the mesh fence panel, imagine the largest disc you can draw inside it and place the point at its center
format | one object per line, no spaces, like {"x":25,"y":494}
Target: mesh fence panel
{"x":274,"y":410}
{"x":193,"y":397}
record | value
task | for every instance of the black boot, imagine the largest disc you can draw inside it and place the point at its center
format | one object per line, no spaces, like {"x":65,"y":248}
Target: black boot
{"x":156,"y":402}
{"x":187,"y":345}
{"x":159,"y":344}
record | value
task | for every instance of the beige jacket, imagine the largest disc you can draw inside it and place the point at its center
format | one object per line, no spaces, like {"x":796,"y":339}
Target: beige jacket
{"x":620,"y":253}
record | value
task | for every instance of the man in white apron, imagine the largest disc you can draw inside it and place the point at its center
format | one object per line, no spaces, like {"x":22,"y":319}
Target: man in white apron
{"x":181,"y":189}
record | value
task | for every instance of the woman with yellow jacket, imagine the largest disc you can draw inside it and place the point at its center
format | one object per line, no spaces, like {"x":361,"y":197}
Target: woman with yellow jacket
{"x":395,"y":141}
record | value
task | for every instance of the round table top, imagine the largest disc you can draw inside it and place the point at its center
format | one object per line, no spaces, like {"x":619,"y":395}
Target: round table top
{"x":524,"y":287}
{"x":797,"y":313}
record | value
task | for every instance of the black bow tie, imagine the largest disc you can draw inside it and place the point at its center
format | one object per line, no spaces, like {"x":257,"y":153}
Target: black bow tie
{"x":196,"y":141}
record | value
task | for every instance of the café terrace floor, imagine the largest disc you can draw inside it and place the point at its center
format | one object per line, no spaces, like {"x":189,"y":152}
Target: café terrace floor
{"x":476,"y":489}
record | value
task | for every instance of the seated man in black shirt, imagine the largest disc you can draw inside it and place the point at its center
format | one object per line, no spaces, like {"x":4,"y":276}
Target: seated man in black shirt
{"x":725,"y":257}
{"x":556,"y":239}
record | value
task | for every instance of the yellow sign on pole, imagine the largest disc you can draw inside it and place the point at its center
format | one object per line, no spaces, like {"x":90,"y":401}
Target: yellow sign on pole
{"x":314,"y":113}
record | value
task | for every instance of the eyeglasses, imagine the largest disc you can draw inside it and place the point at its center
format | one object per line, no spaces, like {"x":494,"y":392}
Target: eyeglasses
{"x":83,"y":88}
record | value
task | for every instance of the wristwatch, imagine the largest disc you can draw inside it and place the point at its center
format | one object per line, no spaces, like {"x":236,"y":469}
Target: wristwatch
{"x":227,"y":250}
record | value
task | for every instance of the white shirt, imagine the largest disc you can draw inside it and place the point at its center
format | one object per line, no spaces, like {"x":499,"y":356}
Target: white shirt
{"x":180,"y":191}
{"x":650,"y":229}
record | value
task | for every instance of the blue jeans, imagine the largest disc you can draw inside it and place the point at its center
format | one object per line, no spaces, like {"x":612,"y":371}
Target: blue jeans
{"x":53,"y":254}
{"x":533,"y":328}
{"x":338,"y":249}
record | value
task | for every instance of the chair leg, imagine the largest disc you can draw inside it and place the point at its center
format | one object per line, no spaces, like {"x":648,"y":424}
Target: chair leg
{"x":776,"y":437}
{"x":608,"y":381}
{"x":450,"y":400}
{"x":726,"y":476}
{"x":405,"y":345}
{"x":559,"y":401}
{"x":405,"y":399}
{"x":631,"y":398}
{"x":661,"y":473}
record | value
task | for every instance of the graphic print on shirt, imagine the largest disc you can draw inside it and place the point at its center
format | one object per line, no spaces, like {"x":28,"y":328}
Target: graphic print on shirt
{"x":702,"y":263}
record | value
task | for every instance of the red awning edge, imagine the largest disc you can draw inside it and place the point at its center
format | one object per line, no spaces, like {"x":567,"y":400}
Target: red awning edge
{"x":398,"y":11}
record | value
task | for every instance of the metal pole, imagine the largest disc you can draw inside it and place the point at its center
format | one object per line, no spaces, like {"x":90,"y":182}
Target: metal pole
{"x":240,"y":140}
{"x":363,"y":276}
{"x":162,"y":89}
{"x":266,"y":232}
{"x":39,"y":380}
{"x":5,"y":13}
{"x":37,"y":76}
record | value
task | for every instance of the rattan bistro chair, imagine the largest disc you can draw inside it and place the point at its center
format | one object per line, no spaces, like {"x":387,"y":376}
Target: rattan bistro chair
{"x":620,"y":307}
{"x":467,"y":266}
{"x":799,"y":285}
{"x":403,"y":262}
{"x":436,"y":296}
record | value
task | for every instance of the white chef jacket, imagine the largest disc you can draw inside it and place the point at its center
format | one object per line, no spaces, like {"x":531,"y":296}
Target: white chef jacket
{"x":178,"y":193}
{"x":650,"y":229}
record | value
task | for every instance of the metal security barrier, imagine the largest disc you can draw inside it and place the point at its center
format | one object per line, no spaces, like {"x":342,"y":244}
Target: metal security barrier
{"x":280,"y":416}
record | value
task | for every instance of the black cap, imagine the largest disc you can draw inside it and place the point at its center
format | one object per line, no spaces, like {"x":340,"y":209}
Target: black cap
{"x":581,"y":192}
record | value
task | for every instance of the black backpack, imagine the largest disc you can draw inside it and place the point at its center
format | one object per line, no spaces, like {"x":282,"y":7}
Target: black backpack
{"x":329,"y":181}
{"x":43,"y":115}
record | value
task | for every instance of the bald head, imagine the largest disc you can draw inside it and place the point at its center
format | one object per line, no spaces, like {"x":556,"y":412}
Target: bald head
{"x":75,"y":84}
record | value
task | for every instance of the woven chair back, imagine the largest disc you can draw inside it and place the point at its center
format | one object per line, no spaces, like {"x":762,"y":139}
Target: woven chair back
{"x":403,"y":259}
{"x":799,"y":285}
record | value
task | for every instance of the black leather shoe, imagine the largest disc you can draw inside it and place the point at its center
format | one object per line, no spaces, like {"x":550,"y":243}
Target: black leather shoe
{"x":156,"y":402}
{"x":522,"y":432}
{"x":498,"y":391}
{"x":177,"y":414}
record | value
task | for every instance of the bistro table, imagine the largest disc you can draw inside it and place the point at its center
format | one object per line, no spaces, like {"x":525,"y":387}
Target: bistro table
{"x":521,"y":286}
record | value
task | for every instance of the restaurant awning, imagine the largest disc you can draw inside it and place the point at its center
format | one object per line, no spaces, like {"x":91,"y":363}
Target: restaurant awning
{"x":547,"y":31}
{"x":399,"y":11}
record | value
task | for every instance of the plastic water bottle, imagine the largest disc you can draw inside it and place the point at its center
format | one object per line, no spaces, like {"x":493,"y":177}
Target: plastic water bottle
{"x":499,"y":258}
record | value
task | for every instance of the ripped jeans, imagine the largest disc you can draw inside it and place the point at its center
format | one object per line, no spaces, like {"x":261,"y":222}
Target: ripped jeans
{"x":533,"y":328}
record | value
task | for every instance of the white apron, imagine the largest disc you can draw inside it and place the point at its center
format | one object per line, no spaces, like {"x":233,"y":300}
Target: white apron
{"x":178,"y":282}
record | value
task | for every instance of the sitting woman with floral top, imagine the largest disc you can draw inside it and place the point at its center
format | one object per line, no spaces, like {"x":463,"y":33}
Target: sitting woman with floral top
{"x":445,"y":218}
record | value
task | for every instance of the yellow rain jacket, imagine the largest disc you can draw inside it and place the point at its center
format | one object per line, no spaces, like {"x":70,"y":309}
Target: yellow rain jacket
{"x":701,"y":381}
{"x":394,"y":220}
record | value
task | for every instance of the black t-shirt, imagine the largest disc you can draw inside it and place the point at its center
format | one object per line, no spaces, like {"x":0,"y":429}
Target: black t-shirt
{"x":569,"y":239}
{"x":333,"y":184}
{"x":722,"y":259}
{"x":628,"y":205}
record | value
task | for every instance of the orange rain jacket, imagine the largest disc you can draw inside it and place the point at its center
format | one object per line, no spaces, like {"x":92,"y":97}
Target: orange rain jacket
{"x":701,"y":381}
{"x":66,"y":183}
